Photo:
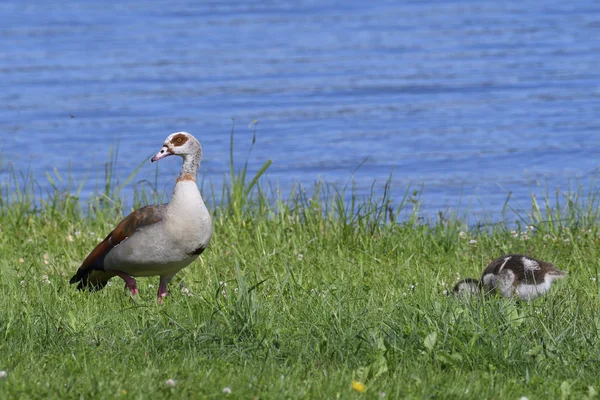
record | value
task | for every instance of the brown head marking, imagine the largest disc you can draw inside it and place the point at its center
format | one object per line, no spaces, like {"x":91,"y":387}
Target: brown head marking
{"x":179,"y":140}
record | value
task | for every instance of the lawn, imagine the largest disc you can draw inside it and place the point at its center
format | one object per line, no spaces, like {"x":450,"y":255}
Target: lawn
{"x":299,"y":297}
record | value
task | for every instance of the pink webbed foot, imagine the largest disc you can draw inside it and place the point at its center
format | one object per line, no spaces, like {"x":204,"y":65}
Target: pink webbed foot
{"x":130,"y":282}
{"x":162,"y":288}
{"x":162,"y":292}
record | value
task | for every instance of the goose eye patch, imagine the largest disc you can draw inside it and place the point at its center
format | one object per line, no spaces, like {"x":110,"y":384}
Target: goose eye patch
{"x":179,"y":139}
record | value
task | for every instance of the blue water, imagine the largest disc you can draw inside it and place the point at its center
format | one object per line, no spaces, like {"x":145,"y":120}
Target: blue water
{"x":470,"y":99}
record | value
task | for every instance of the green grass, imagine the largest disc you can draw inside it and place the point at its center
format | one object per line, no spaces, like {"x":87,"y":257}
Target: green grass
{"x":297,"y":297}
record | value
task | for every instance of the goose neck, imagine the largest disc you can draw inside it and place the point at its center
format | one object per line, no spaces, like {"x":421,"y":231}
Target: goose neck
{"x":189,"y":169}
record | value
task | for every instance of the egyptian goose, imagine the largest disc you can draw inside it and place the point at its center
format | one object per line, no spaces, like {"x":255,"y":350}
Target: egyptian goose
{"x":158,"y":239}
{"x":510,"y":275}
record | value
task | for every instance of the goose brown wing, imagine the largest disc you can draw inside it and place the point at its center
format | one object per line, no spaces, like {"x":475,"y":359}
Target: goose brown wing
{"x":91,"y":272}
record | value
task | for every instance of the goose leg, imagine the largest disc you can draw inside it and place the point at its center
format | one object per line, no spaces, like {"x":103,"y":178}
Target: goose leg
{"x":130,"y":282}
{"x":162,"y":287}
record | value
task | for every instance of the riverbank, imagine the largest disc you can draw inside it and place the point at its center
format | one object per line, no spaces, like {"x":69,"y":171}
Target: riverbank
{"x":298,"y":297}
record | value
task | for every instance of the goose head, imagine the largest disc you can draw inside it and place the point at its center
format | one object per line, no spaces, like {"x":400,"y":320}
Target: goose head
{"x":466,"y":287}
{"x":179,"y":144}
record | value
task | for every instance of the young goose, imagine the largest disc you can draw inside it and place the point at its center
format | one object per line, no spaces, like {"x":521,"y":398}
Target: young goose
{"x":155,"y":240}
{"x":523,"y":276}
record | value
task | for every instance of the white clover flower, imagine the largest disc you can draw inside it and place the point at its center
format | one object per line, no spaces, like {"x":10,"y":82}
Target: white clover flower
{"x":472,"y":242}
{"x":227,"y":390}
{"x":300,"y":256}
{"x":3,"y":374}
{"x":22,"y":283}
{"x":514,"y":233}
{"x":462,"y":235}
{"x":171,"y":383}
{"x":186,"y":291}
{"x":45,"y":279}
{"x":151,"y":286}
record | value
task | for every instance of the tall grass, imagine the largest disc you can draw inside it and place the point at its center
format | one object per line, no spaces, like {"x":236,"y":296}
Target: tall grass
{"x":297,"y":297}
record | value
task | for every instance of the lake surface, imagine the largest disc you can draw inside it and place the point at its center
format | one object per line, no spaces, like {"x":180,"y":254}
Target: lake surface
{"x":470,"y":99}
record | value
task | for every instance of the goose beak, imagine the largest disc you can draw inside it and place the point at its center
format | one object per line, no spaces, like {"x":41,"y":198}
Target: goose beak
{"x":164,"y":152}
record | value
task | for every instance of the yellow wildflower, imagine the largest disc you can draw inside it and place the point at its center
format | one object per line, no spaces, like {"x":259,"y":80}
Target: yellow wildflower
{"x":359,"y":387}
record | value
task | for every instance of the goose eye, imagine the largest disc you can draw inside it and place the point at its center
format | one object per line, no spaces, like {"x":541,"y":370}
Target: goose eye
{"x":179,"y":140}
